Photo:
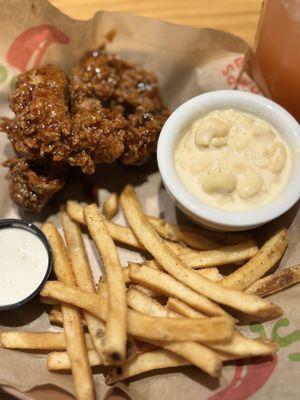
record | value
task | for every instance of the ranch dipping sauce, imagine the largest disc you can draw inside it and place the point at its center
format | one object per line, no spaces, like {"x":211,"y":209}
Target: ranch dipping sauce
{"x":24,"y":264}
{"x":233,"y":160}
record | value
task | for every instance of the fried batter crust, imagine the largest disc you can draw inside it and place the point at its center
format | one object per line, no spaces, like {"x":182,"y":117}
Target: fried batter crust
{"x":31,"y":187}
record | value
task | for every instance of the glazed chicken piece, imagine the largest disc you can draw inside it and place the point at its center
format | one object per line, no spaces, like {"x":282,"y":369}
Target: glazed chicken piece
{"x":42,"y":126}
{"x":98,"y":136}
{"x":127,"y":89}
{"x":110,"y":111}
{"x":31,"y":187}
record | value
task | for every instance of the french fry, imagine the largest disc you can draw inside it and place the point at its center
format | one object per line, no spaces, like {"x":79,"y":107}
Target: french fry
{"x":179,"y":233}
{"x":110,"y":206}
{"x":119,"y":233}
{"x":55,"y":317}
{"x":276,"y":282}
{"x":188,"y":235}
{"x":211,"y":273}
{"x":182,"y":308}
{"x":165,"y":284}
{"x":174,"y":266}
{"x":37,"y":340}
{"x":222,"y":256}
{"x":116,"y":332}
{"x":268,"y":255}
{"x":225,"y":239}
{"x":238,"y":347}
{"x":153,"y":264}
{"x":102,"y":288}
{"x":244,"y":347}
{"x":142,"y":326}
{"x":136,"y":300}
{"x":76,"y":346}
{"x":59,"y":360}
{"x":33,"y":340}
{"x":50,"y":302}
{"x":196,"y":353}
{"x":83,"y":276}
{"x":150,"y":361}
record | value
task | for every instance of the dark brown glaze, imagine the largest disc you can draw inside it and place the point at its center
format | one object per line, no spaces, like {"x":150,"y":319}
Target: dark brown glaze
{"x":142,"y":136}
{"x":98,"y":136}
{"x":111,"y":110}
{"x":127,"y":89}
{"x":42,"y":124}
{"x":31,"y":187}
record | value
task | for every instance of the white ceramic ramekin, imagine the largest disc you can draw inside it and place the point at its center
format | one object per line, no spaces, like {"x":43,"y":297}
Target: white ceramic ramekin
{"x":199,"y":211}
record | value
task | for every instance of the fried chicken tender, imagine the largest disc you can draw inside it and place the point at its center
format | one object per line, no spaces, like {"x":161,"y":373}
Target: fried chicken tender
{"x":111,"y":110}
{"x":42,"y":125}
{"x":98,"y":136}
{"x":142,"y":136}
{"x":127,"y":89}
{"x":31,"y":187}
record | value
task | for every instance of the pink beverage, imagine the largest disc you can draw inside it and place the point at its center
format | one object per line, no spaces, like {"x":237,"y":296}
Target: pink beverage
{"x":277,"y":68}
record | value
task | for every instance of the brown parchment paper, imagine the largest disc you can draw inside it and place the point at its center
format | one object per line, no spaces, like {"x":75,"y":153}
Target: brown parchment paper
{"x":187,"y":61}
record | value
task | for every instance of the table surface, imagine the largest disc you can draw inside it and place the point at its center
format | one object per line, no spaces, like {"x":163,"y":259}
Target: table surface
{"x":236,"y":16}
{"x":239,"y":17}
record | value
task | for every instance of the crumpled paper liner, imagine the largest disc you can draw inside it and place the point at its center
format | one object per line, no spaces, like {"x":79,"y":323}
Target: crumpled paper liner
{"x":187,"y":61}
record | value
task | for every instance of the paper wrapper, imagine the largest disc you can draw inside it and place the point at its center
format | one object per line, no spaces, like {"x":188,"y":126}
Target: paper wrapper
{"x":187,"y":61}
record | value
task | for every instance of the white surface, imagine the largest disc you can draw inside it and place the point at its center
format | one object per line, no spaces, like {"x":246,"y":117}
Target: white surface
{"x":191,"y":110}
{"x":24,"y":262}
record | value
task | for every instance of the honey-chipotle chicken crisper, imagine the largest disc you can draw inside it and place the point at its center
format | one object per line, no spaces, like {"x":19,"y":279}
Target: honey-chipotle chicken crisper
{"x":109,"y":110}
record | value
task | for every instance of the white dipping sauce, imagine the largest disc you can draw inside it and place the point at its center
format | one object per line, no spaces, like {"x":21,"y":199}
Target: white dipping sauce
{"x":23,"y":265}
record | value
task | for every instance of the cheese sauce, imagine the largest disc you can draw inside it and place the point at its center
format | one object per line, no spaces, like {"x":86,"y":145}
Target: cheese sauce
{"x":23,"y":265}
{"x":233,"y":160}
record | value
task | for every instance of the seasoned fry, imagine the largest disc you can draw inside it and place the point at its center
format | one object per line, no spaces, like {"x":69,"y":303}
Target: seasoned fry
{"x":244,"y":347}
{"x":83,"y":276}
{"x":142,"y":326}
{"x":138,"y":301}
{"x":111,"y":206}
{"x":269,"y":254}
{"x":153,"y":264}
{"x":238,"y":347}
{"x":276,"y":282}
{"x":55,"y":317}
{"x":179,"y":233}
{"x":222,"y":256}
{"x":50,"y":302}
{"x":116,"y":324}
{"x":37,"y":340}
{"x":76,"y":346}
{"x":59,"y":360}
{"x":196,"y":353}
{"x":182,"y":308}
{"x":174,"y":266}
{"x":188,"y":235}
{"x":150,"y":361}
{"x":165,"y":284}
{"x":120,"y":233}
{"x":75,"y":211}
{"x":33,"y":340}
{"x":211,"y":273}
{"x":102,"y":288}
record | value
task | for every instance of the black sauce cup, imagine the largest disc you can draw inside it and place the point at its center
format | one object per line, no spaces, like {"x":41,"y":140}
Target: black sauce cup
{"x":28,"y":226}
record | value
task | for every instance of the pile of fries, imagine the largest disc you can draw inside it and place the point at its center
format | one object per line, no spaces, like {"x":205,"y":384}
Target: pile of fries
{"x":174,"y":309}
